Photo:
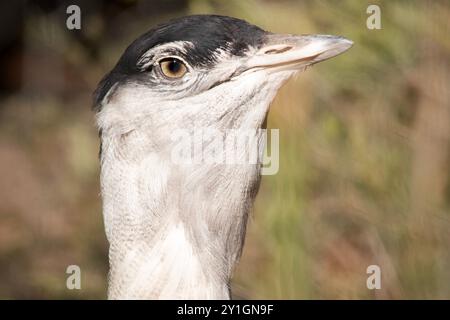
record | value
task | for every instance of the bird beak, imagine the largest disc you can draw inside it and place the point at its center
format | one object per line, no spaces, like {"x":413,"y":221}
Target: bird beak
{"x":291,"y":52}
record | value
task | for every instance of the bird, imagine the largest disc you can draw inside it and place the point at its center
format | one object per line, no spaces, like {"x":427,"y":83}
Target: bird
{"x":176,"y":230}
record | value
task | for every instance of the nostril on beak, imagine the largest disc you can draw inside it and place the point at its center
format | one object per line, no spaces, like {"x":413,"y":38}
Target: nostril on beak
{"x":278,"y":50}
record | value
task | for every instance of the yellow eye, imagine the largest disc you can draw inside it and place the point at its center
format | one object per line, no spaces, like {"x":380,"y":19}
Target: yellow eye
{"x":172,"y":68}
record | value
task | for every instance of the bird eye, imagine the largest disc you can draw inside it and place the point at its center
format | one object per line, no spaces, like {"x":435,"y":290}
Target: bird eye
{"x":172,"y":68}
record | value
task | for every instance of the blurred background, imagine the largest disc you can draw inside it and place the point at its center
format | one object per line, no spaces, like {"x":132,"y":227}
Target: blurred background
{"x":364,"y":158}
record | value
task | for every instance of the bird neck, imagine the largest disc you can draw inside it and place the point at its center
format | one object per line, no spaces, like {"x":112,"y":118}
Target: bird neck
{"x":173,"y":232}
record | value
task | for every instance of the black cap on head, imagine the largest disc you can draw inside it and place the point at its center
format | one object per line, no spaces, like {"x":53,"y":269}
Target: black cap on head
{"x":207,"y":33}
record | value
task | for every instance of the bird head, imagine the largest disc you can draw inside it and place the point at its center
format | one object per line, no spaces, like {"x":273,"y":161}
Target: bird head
{"x":203,"y":71}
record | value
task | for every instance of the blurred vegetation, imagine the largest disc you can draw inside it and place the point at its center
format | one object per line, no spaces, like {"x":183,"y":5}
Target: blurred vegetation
{"x":364,"y":161}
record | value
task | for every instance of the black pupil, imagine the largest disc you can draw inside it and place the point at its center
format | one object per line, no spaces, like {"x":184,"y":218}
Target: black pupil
{"x":174,"y":66}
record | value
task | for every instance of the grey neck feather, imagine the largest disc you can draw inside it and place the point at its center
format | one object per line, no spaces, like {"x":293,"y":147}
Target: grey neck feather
{"x":176,"y":231}
{"x":183,"y":244}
